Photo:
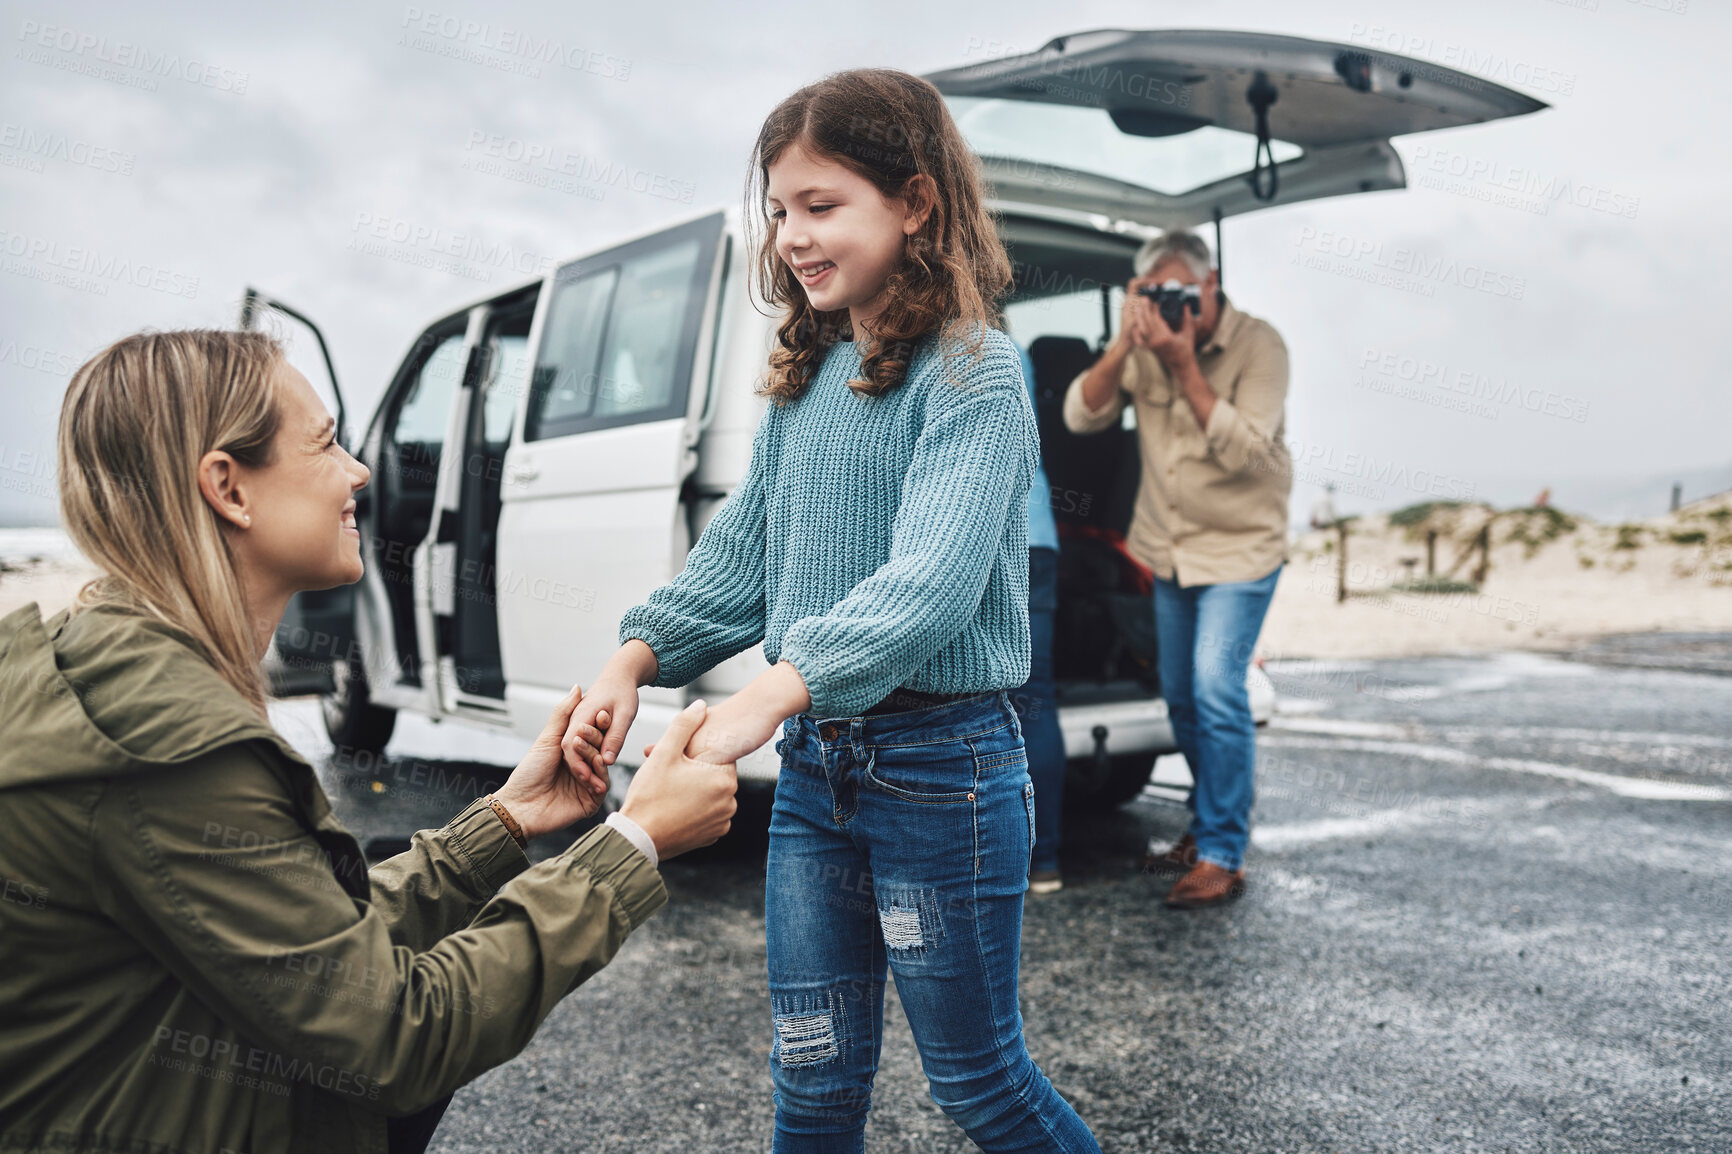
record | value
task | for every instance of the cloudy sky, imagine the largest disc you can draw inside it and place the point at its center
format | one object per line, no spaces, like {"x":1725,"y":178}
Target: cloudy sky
{"x":282,"y":138}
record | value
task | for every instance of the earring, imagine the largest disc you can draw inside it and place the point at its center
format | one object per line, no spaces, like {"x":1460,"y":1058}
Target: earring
{"x":247,"y":518}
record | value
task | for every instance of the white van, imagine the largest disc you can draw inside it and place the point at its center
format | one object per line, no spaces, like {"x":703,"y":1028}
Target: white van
{"x":544,"y":458}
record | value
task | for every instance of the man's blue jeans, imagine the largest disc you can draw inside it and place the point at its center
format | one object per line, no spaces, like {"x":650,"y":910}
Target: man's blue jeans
{"x":1206,"y":634}
{"x":901,"y":842}
{"x":1037,"y":708}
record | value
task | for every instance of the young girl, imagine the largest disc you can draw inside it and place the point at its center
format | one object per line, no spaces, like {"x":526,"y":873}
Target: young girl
{"x":877,"y":546}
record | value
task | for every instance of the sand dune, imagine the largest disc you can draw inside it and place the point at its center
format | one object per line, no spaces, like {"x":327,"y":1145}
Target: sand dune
{"x":1553,"y":583}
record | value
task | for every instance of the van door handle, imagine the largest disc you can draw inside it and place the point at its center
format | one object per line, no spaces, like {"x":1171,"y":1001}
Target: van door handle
{"x":523,"y":474}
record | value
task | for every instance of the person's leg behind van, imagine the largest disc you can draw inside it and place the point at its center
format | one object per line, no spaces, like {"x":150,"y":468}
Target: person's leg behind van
{"x":1037,"y":709}
{"x":826,"y":960}
{"x":950,"y":826}
{"x":1229,"y":618}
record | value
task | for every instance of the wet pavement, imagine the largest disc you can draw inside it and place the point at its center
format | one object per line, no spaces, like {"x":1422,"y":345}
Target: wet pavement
{"x":1693,"y":652}
{"x":1489,"y":910}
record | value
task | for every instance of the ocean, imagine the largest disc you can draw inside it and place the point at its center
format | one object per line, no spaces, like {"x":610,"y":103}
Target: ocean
{"x":20,"y":545}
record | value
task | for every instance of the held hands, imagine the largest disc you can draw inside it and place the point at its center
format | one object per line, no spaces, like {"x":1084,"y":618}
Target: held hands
{"x":680,"y":802}
{"x":730,"y":731}
{"x":540,"y":793}
{"x":592,"y":738}
{"x":750,"y":717}
{"x":597,"y":729}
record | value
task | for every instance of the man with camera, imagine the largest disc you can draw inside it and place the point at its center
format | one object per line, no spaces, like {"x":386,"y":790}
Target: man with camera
{"x":1208,"y":384}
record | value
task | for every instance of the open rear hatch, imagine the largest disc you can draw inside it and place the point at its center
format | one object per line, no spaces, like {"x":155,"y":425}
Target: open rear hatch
{"x":1098,"y":137}
{"x":1165,"y":128}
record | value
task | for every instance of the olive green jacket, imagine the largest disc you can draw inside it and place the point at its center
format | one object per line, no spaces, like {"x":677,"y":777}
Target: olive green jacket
{"x":193,"y":954}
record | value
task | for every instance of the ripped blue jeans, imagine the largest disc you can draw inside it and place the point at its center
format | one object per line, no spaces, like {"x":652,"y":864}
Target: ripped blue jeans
{"x":901,"y":841}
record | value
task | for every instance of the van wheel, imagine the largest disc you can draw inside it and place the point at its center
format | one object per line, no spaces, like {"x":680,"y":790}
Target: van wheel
{"x":353,"y":722}
{"x":1124,"y":780}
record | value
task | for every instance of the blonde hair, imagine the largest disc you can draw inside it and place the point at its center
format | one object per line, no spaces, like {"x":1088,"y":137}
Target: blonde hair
{"x":137,"y":418}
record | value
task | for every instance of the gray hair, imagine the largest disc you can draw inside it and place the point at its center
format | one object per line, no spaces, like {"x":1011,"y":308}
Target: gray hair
{"x":1174,"y":244}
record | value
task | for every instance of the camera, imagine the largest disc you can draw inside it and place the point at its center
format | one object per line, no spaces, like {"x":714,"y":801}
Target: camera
{"x":1173,"y":298}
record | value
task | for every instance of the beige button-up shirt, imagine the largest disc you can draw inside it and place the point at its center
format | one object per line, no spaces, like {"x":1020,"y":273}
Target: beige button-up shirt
{"x":1212,"y":504}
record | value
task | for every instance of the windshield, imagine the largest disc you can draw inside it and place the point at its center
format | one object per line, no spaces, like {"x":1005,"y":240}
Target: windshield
{"x":1087,"y":140}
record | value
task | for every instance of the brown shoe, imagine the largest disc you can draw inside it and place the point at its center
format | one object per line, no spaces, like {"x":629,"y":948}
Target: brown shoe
{"x":1176,"y":859}
{"x":1206,"y":885}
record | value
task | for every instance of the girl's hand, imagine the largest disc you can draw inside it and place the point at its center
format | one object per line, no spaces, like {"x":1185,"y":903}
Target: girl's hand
{"x":597,"y":729}
{"x":541,"y":793}
{"x":598,"y":726}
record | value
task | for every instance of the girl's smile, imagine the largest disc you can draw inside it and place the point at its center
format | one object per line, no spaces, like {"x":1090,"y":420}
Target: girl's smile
{"x":811,"y":274}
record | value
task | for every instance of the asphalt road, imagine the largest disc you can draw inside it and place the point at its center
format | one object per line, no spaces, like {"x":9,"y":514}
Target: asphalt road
{"x":1489,"y":911}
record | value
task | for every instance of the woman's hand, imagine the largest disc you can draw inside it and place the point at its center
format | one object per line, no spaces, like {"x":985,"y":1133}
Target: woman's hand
{"x":596,"y":732}
{"x":681,"y":803}
{"x":541,"y":793}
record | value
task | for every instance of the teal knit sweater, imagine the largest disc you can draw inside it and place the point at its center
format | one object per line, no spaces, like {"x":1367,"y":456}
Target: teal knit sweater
{"x":874,"y":542}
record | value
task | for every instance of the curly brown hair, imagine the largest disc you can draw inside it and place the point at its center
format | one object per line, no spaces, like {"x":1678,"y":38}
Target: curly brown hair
{"x":890,"y":128}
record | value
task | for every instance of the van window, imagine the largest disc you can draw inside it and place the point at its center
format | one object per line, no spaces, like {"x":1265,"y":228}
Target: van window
{"x":1069,"y":314}
{"x":424,"y":411}
{"x":621,"y":332}
{"x":1086,"y":140}
{"x":508,"y":366}
{"x":571,"y":351}
{"x":637,"y":374}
